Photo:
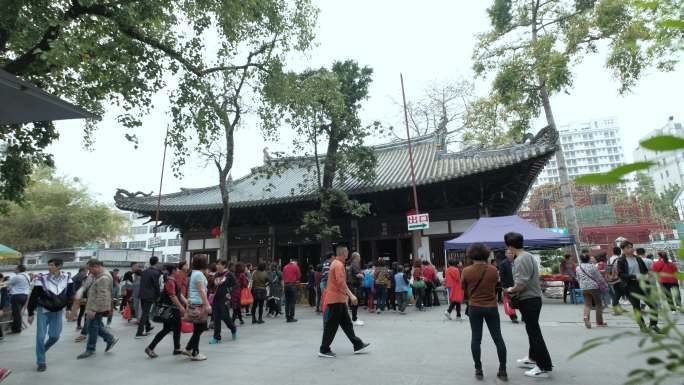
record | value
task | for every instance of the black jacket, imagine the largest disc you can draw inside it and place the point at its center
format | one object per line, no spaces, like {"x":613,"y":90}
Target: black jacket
{"x":623,"y":269}
{"x":149,"y":284}
{"x":506,"y":274}
{"x":47,"y":299}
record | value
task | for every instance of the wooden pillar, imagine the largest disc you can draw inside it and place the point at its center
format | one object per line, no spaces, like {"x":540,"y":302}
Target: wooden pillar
{"x":271,"y":243}
{"x":356,"y":244}
{"x":374,"y":251}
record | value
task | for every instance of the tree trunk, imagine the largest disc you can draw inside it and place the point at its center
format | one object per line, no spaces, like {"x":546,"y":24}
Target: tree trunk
{"x":566,"y":193}
{"x":225,"y":218}
{"x":329,"y":171}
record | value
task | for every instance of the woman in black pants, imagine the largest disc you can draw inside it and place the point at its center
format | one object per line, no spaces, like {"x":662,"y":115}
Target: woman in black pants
{"x":171,"y":297}
{"x":479,"y":284}
{"x":259,"y":284}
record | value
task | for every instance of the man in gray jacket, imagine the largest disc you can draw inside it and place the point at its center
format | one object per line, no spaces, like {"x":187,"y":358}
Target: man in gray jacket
{"x":528,"y":290}
{"x":98,"y":306}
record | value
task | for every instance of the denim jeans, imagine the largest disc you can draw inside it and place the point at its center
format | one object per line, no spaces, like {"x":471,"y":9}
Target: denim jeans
{"x":97,"y":329}
{"x":381,"y":293}
{"x":144,"y":324}
{"x":490,"y":315}
{"x":402,"y":300}
{"x":50,"y":323}
{"x":530,"y":309}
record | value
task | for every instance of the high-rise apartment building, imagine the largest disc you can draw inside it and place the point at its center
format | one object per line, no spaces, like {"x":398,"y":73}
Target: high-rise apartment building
{"x":590,"y":147}
{"x":668,"y":170}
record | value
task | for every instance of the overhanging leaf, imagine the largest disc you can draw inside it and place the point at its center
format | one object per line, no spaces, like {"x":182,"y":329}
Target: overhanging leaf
{"x":672,"y":23}
{"x":663,"y":143}
{"x":614,"y":176}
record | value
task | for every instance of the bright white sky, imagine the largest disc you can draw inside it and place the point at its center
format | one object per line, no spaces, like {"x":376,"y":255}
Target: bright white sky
{"x":427,"y":41}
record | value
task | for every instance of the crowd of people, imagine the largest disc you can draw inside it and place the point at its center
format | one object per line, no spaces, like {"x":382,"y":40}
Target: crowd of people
{"x":200,"y":296}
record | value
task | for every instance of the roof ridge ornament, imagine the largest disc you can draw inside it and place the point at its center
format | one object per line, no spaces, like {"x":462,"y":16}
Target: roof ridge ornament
{"x":122,"y":193}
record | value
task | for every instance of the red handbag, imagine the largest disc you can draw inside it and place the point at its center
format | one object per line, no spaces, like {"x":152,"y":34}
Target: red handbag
{"x":187,"y":327}
{"x":507,"y":306}
{"x":127,"y":313}
{"x":246,"y":297}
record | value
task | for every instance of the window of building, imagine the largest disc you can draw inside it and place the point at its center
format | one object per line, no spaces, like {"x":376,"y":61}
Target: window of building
{"x":117,"y":245}
{"x":137,"y":244}
{"x":173,"y":242}
{"x":139,"y":230}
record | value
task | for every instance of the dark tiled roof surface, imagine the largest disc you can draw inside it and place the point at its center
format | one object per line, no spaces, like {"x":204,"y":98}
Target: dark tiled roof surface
{"x":296,"y":182}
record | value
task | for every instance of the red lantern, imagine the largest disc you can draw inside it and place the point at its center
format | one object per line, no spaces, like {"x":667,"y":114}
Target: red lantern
{"x":216,"y":232}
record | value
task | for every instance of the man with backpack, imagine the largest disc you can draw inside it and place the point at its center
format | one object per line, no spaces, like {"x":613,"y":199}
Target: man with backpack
{"x":50,"y":296}
{"x":149,"y":292}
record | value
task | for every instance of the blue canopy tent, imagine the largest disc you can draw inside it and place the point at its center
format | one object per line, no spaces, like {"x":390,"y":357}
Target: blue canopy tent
{"x":491,"y":231}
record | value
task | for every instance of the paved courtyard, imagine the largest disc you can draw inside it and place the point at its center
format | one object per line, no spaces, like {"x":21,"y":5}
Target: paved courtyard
{"x":419,"y":348}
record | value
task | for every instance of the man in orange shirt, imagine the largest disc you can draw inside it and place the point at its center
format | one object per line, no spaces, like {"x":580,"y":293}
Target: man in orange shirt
{"x":337,"y":314}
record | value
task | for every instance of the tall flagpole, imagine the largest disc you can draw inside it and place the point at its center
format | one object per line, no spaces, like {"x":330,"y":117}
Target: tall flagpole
{"x":415,"y":234}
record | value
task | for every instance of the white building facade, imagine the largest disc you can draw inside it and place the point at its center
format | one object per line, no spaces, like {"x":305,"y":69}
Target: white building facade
{"x":590,"y":147}
{"x":668,"y":171}
{"x":140,"y":235}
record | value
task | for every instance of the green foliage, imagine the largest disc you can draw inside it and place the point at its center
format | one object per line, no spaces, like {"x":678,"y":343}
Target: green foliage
{"x":663,"y":143}
{"x":500,"y":14}
{"x":57,"y":213}
{"x":321,"y":106}
{"x":533,"y":46}
{"x":99,"y":52}
{"x":664,"y":351}
{"x":614,"y":176}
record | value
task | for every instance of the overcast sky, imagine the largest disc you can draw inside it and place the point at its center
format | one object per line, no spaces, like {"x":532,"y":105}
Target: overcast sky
{"x":427,"y":41}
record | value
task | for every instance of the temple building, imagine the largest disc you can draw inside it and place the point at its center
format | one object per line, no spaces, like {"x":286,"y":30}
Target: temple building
{"x":454,"y":188}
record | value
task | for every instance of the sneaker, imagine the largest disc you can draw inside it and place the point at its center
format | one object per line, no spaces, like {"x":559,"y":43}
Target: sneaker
{"x":358,"y":322}
{"x":110,"y":345}
{"x":41,"y":367}
{"x":198,"y":357}
{"x":186,"y":353}
{"x":328,"y":354}
{"x":178,"y":352}
{"x":526,"y":363}
{"x":149,"y":330}
{"x":537,"y":373}
{"x":292,"y":320}
{"x":85,"y":354}
{"x":234,"y":336}
{"x":4,"y":373}
{"x":363,"y":349}
{"x":214,"y":341}
{"x":655,"y":329}
{"x":447,"y":315}
{"x":260,"y":321}
{"x":378,"y":311}
{"x":150,"y":353}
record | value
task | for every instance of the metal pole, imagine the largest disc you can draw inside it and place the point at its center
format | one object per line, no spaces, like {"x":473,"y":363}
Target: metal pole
{"x":408,"y":138}
{"x":161,"y":180}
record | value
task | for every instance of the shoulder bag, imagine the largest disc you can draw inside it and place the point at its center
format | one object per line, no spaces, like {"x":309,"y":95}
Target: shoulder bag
{"x":602,"y":285}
